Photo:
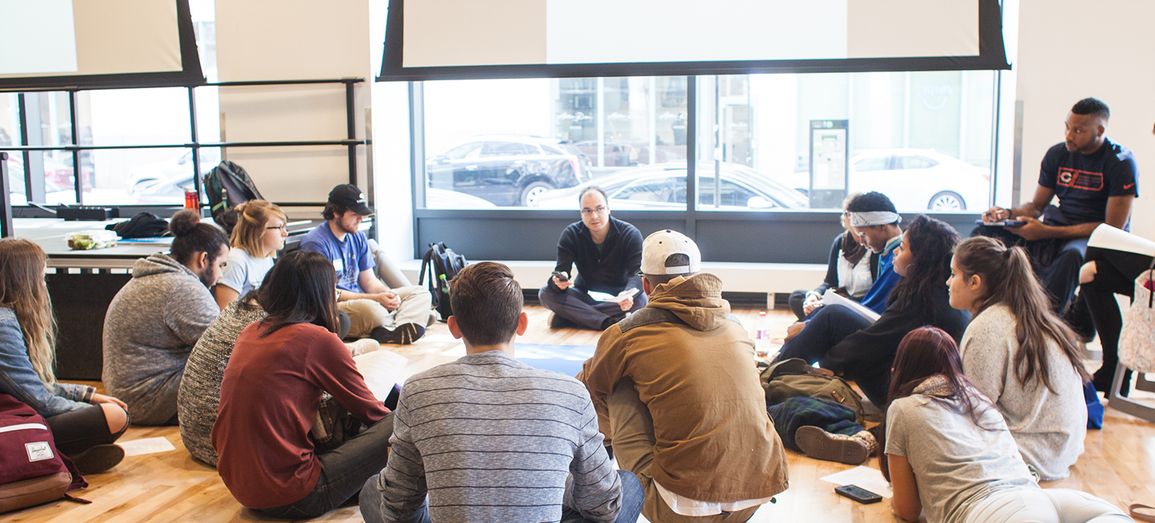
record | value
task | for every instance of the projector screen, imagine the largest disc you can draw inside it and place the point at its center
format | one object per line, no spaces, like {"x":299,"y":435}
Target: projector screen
{"x":94,"y":43}
{"x":444,"y":39}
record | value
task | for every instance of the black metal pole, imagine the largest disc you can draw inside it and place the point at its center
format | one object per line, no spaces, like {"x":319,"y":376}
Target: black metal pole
{"x":351,"y":129}
{"x":6,"y":230}
{"x":23,"y":108}
{"x":77,"y":176}
{"x":196,"y":148}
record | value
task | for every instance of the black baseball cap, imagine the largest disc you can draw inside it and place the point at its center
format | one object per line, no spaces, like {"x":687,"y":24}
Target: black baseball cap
{"x":349,"y":196}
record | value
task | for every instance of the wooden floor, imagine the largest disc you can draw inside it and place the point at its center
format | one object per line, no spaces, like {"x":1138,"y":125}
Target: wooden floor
{"x":1118,"y":464}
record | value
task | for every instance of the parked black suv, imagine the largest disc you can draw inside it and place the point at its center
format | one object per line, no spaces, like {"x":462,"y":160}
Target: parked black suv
{"x":508,"y":170}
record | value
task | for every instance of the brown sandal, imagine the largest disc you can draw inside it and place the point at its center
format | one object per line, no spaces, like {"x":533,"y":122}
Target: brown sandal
{"x":1140,"y":512}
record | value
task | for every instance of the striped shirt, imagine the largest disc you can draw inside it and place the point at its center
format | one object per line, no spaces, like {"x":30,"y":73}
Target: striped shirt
{"x":492,"y":439}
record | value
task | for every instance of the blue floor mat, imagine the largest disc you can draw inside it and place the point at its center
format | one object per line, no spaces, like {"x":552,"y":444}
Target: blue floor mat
{"x":566,"y":359}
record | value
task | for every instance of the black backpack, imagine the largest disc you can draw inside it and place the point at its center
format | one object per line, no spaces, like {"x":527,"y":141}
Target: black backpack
{"x":227,"y":186}
{"x":442,"y":264}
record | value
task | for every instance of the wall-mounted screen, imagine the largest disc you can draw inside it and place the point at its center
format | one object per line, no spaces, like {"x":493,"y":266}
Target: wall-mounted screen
{"x":93,"y":43}
{"x":443,"y":39}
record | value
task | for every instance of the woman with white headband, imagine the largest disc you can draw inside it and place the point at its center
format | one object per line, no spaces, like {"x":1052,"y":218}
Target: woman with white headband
{"x":850,"y":269}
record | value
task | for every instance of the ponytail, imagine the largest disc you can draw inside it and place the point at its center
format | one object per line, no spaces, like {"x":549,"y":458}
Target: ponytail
{"x":1009,"y":279}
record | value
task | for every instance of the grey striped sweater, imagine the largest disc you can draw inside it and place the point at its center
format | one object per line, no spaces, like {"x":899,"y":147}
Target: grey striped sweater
{"x":492,"y":439}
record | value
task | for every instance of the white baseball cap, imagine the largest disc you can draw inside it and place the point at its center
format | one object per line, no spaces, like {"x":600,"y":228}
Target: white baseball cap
{"x":670,"y":252}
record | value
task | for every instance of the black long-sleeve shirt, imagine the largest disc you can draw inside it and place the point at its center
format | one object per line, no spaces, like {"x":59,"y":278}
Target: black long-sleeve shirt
{"x":606,"y":271}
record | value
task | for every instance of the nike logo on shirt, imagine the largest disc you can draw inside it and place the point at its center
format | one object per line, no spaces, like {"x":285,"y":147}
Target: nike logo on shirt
{"x":1128,"y":186}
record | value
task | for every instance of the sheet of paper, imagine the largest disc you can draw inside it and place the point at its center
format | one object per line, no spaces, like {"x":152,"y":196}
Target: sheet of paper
{"x":382,"y":369}
{"x":137,"y":447}
{"x":622,"y":296}
{"x":868,"y":478}
{"x":1107,"y":237}
{"x":833,"y":298}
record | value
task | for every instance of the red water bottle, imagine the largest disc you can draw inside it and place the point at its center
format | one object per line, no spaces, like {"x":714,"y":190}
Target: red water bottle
{"x":191,"y":200}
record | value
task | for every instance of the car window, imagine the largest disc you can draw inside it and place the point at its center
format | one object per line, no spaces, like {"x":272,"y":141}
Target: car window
{"x":877,"y":163}
{"x":666,"y":189}
{"x":507,"y":149}
{"x":471,"y":150}
{"x":730,"y":194}
{"x":551,"y":149}
{"x":570,"y":148}
{"x":914,"y":162}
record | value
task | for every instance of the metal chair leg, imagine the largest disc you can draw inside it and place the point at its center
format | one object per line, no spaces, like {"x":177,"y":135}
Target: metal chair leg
{"x":1127,"y":405}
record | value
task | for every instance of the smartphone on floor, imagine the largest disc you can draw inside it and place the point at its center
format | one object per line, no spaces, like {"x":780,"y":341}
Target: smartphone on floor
{"x":858,"y":494}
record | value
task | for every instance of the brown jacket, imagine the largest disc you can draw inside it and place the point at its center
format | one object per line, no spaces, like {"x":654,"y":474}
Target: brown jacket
{"x":694,"y":368}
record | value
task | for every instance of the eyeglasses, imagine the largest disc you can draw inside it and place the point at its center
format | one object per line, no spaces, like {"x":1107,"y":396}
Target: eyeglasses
{"x":601,"y":209}
{"x":282,"y":227}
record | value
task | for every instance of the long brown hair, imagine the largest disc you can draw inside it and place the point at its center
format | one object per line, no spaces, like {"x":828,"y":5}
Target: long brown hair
{"x":22,"y":289}
{"x":1007,"y":278}
{"x":925,"y":352}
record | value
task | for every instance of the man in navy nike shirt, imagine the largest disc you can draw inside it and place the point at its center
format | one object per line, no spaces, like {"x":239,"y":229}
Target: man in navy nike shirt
{"x":1095,"y":181}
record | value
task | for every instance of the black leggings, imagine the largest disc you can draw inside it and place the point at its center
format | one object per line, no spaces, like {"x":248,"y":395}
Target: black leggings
{"x":1115,"y":273}
{"x":79,"y":430}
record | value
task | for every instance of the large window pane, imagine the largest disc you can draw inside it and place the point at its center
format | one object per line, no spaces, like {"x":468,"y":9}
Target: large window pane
{"x":147,"y":176}
{"x":52,"y":178}
{"x":923,"y":139}
{"x":536,"y":143}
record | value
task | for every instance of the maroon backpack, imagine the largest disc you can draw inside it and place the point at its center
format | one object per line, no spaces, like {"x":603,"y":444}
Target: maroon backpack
{"x":32,"y":471}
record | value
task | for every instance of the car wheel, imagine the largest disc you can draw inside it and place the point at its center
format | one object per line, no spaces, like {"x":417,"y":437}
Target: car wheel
{"x":946,"y":201}
{"x":532,"y":192}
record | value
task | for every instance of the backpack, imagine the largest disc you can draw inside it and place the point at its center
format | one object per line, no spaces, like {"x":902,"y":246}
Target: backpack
{"x":32,"y":471}
{"x":227,"y":186}
{"x":442,"y":264}
{"x":794,"y":377}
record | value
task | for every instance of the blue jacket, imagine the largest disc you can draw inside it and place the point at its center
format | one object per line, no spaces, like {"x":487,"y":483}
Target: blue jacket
{"x":19,"y":379}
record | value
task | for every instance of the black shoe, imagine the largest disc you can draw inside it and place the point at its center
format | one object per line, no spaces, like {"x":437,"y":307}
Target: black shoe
{"x":1079,"y":318}
{"x":557,"y":322}
{"x":612,"y":320}
{"x":403,"y":334}
{"x":98,"y":459}
{"x":1104,"y":378}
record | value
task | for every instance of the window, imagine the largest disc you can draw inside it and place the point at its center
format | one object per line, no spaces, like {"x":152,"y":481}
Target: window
{"x":542,"y":140}
{"x":913,"y":162}
{"x":122,"y":125}
{"x":936,"y":126}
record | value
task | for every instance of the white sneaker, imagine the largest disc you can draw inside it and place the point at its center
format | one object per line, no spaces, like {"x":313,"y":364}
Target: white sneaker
{"x":362,"y":346}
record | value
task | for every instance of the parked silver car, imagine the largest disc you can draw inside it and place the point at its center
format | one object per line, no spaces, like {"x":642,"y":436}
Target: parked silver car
{"x":663,"y":186}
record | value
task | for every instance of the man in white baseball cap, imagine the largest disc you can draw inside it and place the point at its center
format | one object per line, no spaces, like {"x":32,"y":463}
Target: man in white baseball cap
{"x":678,"y":398}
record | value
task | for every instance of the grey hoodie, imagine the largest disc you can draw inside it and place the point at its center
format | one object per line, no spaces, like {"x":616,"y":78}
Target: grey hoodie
{"x":149,"y":330}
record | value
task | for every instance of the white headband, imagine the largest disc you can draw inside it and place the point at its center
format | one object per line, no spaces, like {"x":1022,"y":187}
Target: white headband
{"x":867,"y":219}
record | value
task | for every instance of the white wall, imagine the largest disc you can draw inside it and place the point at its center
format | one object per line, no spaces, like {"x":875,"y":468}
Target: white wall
{"x":1069,"y":50}
{"x":293,"y":40}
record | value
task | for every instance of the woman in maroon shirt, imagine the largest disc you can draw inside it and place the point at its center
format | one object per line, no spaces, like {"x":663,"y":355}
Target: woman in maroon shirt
{"x":271,"y":391}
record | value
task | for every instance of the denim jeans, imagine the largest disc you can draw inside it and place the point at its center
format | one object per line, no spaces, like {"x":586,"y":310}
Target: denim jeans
{"x":632,"y":498}
{"x":343,"y":472}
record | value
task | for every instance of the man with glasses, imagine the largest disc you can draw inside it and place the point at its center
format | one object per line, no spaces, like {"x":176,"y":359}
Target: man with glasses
{"x":608,"y":255}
